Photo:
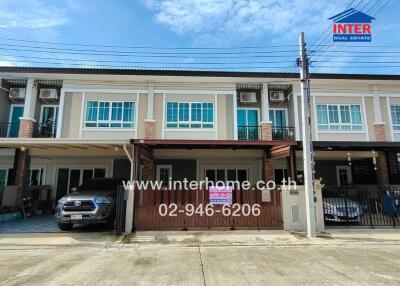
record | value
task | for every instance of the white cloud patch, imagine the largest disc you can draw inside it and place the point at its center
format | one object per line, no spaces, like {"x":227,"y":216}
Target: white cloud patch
{"x":245,"y":18}
{"x":32,"y":14}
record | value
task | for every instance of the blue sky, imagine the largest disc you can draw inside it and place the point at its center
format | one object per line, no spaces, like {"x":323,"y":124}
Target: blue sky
{"x":162,"y":24}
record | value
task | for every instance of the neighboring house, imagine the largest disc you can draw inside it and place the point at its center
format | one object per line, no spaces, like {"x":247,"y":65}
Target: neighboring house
{"x":62,"y":126}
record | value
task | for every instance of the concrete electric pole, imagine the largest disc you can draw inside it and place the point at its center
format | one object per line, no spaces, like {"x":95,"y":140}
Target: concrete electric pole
{"x":306,"y":138}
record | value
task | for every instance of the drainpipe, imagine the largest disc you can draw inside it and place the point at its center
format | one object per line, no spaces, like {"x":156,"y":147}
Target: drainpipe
{"x":131,"y":196}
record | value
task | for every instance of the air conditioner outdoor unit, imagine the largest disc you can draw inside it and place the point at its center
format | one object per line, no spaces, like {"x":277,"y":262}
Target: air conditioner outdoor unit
{"x":276,"y":96}
{"x":248,"y":97}
{"x":48,"y":94}
{"x":17,"y":93}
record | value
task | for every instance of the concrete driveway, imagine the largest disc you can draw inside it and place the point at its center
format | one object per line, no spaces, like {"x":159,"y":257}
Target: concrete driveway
{"x":224,"y":265}
{"x":172,"y":259}
{"x":42,"y":224}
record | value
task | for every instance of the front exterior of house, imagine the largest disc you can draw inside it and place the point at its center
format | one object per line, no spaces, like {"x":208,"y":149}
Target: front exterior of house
{"x":193,"y":125}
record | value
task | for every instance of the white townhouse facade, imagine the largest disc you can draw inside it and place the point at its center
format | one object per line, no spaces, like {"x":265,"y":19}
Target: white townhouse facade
{"x":62,"y":126}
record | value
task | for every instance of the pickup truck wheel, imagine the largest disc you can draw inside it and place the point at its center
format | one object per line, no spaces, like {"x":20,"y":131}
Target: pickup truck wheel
{"x":65,"y":226}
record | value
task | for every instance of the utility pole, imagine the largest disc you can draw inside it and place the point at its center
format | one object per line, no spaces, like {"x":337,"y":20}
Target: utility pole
{"x":306,"y":138}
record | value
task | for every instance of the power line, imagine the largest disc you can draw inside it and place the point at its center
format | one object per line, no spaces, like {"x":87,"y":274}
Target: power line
{"x":147,"y":52}
{"x":147,"y":47}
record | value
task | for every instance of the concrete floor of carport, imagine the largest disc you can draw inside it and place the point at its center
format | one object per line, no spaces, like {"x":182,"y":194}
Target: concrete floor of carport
{"x":43,"y":224}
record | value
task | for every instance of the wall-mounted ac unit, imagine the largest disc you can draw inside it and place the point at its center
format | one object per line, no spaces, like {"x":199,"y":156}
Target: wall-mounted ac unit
{"x":16,"y":93}
{"x":248,"y":97}
{"x":48,"y":94}
{"x":276,"y":96}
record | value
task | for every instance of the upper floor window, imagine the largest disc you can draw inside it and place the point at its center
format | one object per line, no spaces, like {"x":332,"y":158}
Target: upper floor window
{"x":110,"y":114}
{"x":339,"y":117}
{"x":190,"y":115}
{"x":395,"y":110}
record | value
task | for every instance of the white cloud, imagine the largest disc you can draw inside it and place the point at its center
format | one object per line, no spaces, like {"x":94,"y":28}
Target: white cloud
{"x":32,"y":14}
{"x":245,"y":18}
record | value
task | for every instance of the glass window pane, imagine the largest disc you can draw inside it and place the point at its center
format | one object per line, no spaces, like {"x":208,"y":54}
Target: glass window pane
{"x":208,"y":112}
{"x":104,"y":110}
{"x":345,"y":114}
{"x":91,"y":110}
{"x":356,"y":114}
{"x":196,"y":112}
{"x":395,"y":111}
{"x":183,"y":111}
{"x":333,"y":114}
{"x":116,"y":111}
{"x":172,"y":112}
{"x":210,"y":175}
{"x":241,"y":117}
{"x":128,"y":112}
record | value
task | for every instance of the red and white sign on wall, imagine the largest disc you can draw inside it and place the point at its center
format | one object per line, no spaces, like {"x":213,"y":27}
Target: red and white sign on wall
{"x":220,"y":195}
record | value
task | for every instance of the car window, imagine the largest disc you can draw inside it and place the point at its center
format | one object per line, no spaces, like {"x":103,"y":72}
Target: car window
{"x":100,"y":185}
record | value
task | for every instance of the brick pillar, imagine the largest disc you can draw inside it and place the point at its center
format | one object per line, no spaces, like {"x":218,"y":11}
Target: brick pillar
{"x":380,"y":132}
{"x":149,"y":129}
{"x":22,"y":164}
{"x":268,"y":171}
{"x":26,"y":126}
{"x":148,"y":170}
{"x":382,"y":173}
{"x":266,"y":131}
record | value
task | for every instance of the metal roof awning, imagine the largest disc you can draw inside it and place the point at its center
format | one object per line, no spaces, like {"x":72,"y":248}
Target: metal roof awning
{"x":61,"y":144}
{"x":210,"y":144}
{"x":354,"y":145}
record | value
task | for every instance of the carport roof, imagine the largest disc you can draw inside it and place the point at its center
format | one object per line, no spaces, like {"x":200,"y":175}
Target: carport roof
{"x":59,"y":143}
{"x":210,"y":144}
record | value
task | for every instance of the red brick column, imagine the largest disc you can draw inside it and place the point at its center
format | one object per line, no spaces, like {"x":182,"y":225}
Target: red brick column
{"x":149,"y":129}
{"x":148,"y":170}
{"x":382,"y":173}
{"x":380,"y":132}
{"x":22,"y":165}
{"x":26,"y":126}
{"x":266,"y":131}
{"x":268,"y":171}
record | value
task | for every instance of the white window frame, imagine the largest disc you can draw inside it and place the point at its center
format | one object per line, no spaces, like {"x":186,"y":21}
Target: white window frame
{"x":189,"y":122}
{"x":340,"y":124}
{"x":7,"y":169}
{"x":169,"y":167}
{"x":394,"y":126}
{"x":349,"y":174}
{"x":226,"y":168}
{"x":110,"y":121}
{"x":76,"y":167}
{"x":39,"y":168}
{"x":11,"y":114}
{"x":55,"y":122}
{"x":286,"y":114}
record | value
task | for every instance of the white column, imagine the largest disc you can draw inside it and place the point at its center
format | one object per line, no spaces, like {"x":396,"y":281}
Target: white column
{"x":235,"y":127}
{"x":60,"y":112}
{"x":131,"y":195}
{"x":264,"y":104}
{"x":377,"y":106}
{"x":150,"y":101}
{"x":30,"y":100}
{"x":296,"y":117}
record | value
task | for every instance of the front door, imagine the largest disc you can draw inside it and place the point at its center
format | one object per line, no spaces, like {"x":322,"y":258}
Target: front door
{"x":17,"y":111}
{"x":343,"y":174}
{"x":48,"y":120}
{"x":247,"y":124}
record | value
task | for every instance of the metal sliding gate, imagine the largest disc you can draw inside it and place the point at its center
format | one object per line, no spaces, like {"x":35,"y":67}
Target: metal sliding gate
{"x":174,"y":209}
{"x":368,"y":206}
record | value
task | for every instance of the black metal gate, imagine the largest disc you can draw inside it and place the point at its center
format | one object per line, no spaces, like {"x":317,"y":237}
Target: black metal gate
{"x":361,"y":206}
{"x":120,"y":210}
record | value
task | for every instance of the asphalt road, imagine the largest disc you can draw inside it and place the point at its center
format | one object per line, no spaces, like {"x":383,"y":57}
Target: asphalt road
{"x":355,"y":264}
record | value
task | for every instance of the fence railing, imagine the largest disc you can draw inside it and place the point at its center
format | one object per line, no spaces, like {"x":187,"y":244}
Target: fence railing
{"x":360,"y":205}
{"x":45,"y":130}
{"x":249,"y":132}
{"x":9,"y":130}
{"x":283,"y":133}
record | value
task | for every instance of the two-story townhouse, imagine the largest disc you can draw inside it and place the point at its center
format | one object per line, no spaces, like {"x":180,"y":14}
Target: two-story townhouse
{"x":152,"y":124}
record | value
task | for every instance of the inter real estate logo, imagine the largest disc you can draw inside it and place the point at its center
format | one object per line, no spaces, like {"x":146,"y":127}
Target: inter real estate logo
{"x":352,"y":26}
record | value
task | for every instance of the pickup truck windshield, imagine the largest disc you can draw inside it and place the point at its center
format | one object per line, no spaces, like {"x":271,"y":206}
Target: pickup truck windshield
{"x":100,"y":185}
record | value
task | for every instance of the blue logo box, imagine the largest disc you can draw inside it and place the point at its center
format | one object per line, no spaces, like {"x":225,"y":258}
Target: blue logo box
{"x":351,"y":38}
